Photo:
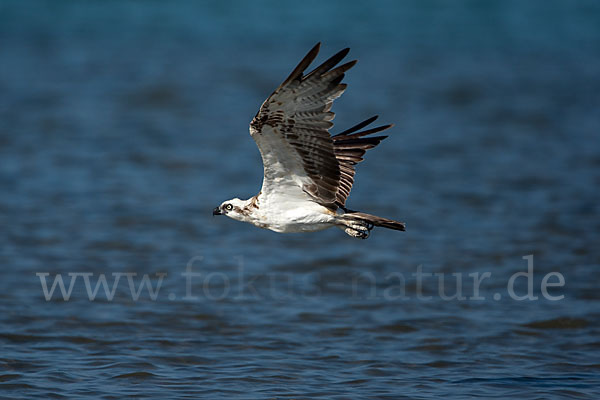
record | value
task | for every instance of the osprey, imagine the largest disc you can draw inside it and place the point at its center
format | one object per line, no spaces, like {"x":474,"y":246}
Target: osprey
{"x":308,"y":174}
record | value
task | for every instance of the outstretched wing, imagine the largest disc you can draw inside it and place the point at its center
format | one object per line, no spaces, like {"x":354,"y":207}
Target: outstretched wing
{"x":349,"y":147}
{"x":291,"y":131}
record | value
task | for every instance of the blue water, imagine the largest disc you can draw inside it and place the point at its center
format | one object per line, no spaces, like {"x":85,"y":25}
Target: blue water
{"x":124,"y":123}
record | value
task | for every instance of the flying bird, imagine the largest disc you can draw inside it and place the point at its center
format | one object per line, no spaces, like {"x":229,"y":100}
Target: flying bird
{"x":308,"y":174}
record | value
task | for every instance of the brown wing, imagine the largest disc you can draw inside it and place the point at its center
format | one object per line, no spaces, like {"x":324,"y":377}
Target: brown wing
{"x":349,"y":147}
{"x":291,"y":130}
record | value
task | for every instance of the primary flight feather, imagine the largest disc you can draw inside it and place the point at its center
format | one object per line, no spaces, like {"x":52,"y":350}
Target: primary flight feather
{"x":308,"y":174}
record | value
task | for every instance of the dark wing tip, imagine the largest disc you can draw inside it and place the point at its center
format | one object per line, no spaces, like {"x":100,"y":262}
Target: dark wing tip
{"x":359,"y":126}
{"x":368,"y":131}
{"x":339,"y":56}
{"x":306,"y":61}
{"x":348,"y":65}
{"x":342,"y":53}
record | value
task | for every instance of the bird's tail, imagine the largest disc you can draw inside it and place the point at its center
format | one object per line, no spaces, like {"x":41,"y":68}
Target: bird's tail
{"x":359,"y":225}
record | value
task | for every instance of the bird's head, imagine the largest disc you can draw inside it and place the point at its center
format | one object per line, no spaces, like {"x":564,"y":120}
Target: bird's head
{"x":234,"y":208}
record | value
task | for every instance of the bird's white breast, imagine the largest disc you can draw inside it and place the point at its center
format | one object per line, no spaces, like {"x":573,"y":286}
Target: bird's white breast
{"x":281,"y":213}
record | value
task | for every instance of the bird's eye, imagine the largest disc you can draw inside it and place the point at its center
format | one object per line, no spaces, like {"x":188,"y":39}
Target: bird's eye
{"x":228,"y":207}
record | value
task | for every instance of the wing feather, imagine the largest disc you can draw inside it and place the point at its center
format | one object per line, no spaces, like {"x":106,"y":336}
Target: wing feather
{"x":349,"y":148}
{"x":291,"y":131}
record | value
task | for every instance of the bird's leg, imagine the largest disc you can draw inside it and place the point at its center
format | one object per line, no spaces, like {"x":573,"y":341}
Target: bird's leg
{"x":358,"y":229}
{"x":360,"y":234}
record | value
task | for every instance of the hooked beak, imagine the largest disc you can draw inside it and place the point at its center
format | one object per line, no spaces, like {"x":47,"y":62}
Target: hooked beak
{"x":217,"y":211}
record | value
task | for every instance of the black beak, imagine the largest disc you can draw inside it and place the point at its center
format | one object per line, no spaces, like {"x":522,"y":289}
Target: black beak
{"x":217,"y":211}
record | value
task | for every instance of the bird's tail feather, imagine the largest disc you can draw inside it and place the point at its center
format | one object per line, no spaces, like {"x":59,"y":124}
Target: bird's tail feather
{"x":377,"y":221}
{"x":359,"y":225}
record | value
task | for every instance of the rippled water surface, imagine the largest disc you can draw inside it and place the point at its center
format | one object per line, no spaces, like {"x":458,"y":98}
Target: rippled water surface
{"x":124,"y":123}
